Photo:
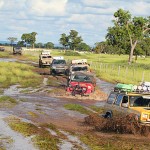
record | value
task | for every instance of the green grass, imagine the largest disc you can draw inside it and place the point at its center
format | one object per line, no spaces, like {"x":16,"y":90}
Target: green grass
{"x":113,"y":142}
{"x":7,"y":99}
{"x":78,"y":108}
{"x":97,"y":109}
{"x":112,"y":68}
{"x":42,"y":138}
{"x":16,"y":73}
{"x":115,"y":68}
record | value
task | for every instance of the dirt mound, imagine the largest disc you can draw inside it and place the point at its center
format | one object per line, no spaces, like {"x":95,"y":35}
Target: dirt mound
{"x":122,"y":125}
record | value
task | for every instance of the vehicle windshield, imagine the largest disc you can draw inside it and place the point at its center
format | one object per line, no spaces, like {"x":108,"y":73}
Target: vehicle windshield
{"x":18,"y":48}
{"x":81,"y":78}
{"x":59,"y":62}
{"x":46,"y":56}
{"x":139,"y":101}
{"x":77,"y":68}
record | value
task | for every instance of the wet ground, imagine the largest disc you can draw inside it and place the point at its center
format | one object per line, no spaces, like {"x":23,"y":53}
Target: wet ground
{"x":45,"y":105}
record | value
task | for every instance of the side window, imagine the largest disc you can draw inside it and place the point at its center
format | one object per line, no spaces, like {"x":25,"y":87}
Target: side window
{"x":111,"y":99}
{"x":125,"y":99}
{"x":119,"y":100}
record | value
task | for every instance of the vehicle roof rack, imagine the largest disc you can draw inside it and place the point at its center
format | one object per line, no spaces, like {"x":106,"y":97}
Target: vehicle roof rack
{"x":79,"y":61}
{"x":129,"y":88}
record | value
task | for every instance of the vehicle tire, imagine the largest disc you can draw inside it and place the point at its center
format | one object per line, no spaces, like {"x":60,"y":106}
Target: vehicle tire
{"x":73,"y":93}
{"x":108,"y":115}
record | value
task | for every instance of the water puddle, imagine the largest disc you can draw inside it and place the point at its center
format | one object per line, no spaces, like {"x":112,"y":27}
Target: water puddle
{"x":7,"y":60}
{"x":19,"y":142}
{"x":71,"y":142}
{"x":105,"y":86}
{"x":12,"y":91}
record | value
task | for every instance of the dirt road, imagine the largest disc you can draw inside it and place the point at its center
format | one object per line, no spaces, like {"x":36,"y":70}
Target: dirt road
{"x":43,"y":108}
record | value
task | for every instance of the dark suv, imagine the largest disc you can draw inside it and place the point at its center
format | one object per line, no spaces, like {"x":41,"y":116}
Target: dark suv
{"x":17,"y":50}
{"x":58,"y":66}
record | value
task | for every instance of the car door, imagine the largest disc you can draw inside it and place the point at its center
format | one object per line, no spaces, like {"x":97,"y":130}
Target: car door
{"x":121,"y":105}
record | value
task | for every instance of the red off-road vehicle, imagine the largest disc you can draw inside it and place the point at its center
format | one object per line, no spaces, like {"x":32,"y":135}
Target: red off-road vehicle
{"x":81,"y":83}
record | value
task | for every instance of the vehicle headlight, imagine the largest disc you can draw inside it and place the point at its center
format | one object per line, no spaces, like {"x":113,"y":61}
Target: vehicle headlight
{"x":144,"y":116}
{"x":89,"y":87}
{"x":84,"y":89}
{"x":53,"y":67}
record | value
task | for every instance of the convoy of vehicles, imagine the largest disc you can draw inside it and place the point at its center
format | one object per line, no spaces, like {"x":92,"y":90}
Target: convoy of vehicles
{"x":45,"y":59}
{"x":129,"y":99}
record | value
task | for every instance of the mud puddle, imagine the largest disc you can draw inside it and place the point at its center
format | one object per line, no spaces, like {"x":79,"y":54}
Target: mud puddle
{"x":7,"y":60}
{"x":11,"y":139}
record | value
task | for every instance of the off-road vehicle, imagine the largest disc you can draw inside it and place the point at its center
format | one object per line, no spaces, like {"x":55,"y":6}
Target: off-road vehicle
{"x":58,"y":66}
{"x":2,"y":48}
{"x":79,"y":65}
{"x":17,"y":50}
{"x":129,"y":99}
{"x":81,"y":83}
{"x":45,"y":59}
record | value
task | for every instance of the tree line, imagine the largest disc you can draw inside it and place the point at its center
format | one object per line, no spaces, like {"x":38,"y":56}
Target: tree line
{"x":128,"y":35}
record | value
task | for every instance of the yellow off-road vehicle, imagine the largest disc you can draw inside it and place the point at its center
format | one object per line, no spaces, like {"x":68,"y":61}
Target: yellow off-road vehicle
{"x":45,"y":59}
{"x":125,"y":101}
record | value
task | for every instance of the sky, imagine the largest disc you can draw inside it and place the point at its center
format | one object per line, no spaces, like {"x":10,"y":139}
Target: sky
{"x":51,"y":18}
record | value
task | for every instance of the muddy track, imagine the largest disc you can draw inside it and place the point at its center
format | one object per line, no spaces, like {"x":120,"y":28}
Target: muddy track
{"x":45,"y":105}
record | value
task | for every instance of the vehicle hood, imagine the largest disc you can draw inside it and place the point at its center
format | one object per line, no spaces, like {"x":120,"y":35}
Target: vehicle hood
{"x":141,"y":109}
{"x":59,"y":65}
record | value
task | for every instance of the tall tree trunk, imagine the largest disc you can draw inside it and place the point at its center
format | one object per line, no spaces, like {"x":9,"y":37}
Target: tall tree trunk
{"x":131,"y":52}
{"x":33,"y":45}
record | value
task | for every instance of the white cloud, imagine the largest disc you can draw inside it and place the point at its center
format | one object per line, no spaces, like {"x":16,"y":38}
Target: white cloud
{"x":50,"y":18}
{"x":47,"y":7}
{"x":1,"y":3}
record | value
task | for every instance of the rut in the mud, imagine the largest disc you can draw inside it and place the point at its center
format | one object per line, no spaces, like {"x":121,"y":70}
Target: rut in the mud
{"x":128,"y":124}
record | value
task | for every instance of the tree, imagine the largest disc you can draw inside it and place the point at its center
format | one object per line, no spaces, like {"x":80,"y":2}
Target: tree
{"x":12,"y":40}
{"x":127,"y":30}
{"x":145,"y":45}
{"x":20,"y":43}
{"x":100,"y":47}
{"x":74,"y":39}
{"x":64,"y":40}
{"x":38,"y":45}
{"x":29,"y":38}
{"x":83,"y":47}
{"x":49,"y":45}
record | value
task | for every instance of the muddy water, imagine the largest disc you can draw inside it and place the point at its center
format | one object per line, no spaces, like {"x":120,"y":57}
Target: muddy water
{"x":19,"y":142}
{"x":105,"y":86}
{"x":7,"y":60}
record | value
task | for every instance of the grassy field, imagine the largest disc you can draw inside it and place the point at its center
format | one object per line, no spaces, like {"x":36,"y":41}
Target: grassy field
{"x":115,"y":68}
{"x":112,"y":68}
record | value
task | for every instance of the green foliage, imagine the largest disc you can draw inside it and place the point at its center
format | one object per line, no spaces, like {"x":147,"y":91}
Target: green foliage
{"x":64,"y":40}
{"x":74,"y":39}
{"x":49,"y":45}
{"x":83,"y":47}
{"x":77,"y":107}
{"x":127,"y":31}
{"x":29,"y":38}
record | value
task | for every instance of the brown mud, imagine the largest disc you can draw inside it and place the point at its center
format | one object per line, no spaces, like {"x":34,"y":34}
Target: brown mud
{"x":45,"y":105}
